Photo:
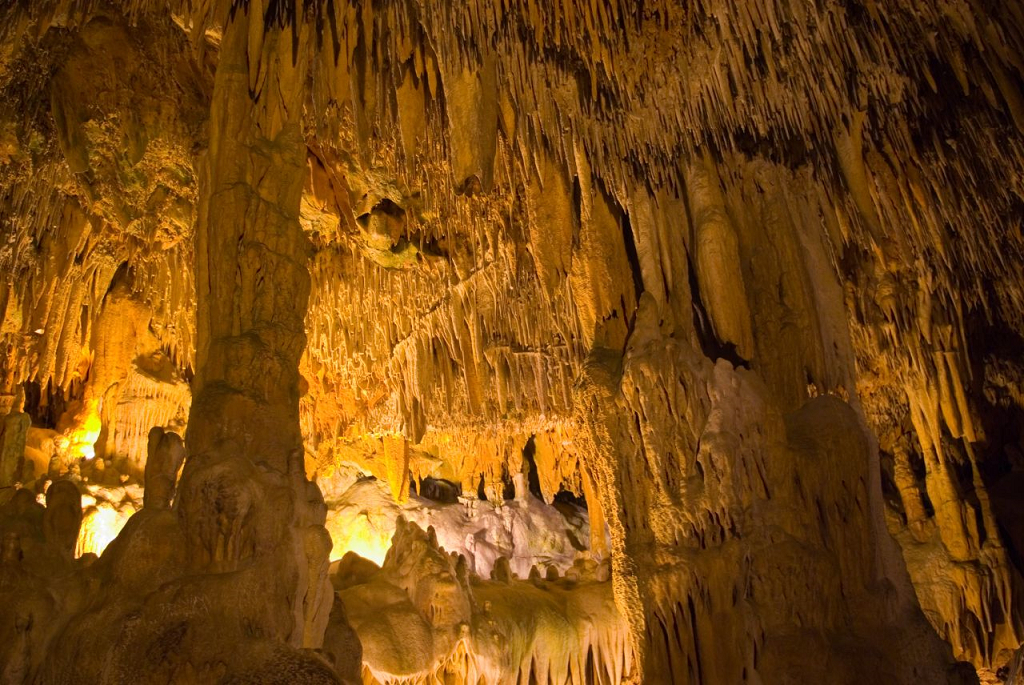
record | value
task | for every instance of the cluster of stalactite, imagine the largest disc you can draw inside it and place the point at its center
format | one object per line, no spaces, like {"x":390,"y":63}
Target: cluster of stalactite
{"x":660,"y":244}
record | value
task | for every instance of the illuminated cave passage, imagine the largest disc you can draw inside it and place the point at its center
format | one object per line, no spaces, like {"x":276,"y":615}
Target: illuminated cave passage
{"x":394,"y":342}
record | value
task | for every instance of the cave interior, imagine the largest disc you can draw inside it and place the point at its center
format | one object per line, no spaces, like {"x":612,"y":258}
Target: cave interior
{"x":511,"y":342}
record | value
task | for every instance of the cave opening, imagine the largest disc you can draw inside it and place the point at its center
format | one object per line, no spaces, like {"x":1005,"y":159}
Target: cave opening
{"x":47,"y":404}
{"x":530,"y":466}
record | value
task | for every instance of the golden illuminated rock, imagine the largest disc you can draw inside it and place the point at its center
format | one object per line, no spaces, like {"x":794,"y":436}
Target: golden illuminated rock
{"x":406,"y":285}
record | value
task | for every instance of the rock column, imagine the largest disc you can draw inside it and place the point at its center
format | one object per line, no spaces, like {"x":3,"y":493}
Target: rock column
{"x":245,"y":502}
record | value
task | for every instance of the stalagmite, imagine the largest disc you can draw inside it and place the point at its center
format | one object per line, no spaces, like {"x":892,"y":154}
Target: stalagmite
{"x":63,"y":516}
{"x":166,"y":455}
{"x":13,"y":432}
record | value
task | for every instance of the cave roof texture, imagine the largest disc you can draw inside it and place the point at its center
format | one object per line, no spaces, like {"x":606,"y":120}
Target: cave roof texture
{"x":747,"y":278}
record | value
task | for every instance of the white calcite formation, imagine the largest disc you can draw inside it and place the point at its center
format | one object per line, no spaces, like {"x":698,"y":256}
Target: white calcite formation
{"x":422,"y":618}
{"x":525,"y":531}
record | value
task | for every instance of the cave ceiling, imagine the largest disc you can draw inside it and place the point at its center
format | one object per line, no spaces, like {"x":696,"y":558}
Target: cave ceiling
{"x":745,"y":278}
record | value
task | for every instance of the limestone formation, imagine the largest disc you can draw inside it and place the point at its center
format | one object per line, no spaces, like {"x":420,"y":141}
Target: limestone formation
{"x":587,"y":341}
{"x":420,"y":619}
{"x":166,"y":455}
{"x":13,"y":433}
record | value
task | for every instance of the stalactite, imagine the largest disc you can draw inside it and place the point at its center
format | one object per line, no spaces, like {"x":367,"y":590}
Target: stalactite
{"x":655,"y":237}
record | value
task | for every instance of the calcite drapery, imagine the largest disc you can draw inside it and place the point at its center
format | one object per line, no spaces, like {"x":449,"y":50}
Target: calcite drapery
{"x":646,"y":239}
{"x":231,"y":582}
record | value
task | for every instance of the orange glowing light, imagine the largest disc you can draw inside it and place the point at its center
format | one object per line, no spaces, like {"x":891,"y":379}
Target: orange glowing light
{"x":83,"y":436}
{"x":100,"y":525}
{"x":362,"y":537}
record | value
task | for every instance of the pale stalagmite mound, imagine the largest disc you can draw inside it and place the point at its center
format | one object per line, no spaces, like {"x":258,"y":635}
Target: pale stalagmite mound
{"x":491,"y":342}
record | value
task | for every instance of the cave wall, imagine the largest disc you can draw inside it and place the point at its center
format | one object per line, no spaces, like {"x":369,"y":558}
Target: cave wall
{"x":747,"y":276}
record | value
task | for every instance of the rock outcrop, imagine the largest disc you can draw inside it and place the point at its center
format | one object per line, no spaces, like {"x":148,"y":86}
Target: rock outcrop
{"x":742,"y":279}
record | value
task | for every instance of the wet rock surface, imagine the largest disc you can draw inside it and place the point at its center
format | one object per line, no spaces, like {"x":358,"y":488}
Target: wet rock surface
{"x":694,"y":330}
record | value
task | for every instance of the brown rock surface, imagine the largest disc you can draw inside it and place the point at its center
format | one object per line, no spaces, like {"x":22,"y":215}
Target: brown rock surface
{"x":744,"y":278}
